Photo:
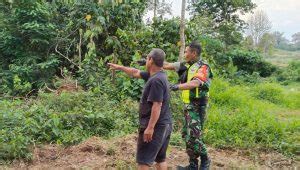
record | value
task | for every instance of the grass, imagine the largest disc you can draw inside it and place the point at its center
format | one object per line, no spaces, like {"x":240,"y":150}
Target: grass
{"x":240,"y":116}
{"x":251,"y":116}
{"x":65,"y":119}
{"x":263,"y":116}
{"x":282,"y":57}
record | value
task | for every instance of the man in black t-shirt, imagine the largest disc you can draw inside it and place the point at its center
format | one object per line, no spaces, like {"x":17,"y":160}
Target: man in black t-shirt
{"x":154,"y":112}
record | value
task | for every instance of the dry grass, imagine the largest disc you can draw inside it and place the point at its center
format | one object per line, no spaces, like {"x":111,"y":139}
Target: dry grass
{"x":282,"y":57}
{"x":119,"y":153}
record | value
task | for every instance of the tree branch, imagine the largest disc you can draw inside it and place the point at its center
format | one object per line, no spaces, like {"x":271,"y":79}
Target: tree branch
{"x":56,"y":50}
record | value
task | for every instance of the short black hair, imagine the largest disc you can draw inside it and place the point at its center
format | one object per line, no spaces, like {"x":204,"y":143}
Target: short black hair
{"x":195,"y":46}
{"x":158,"y":56}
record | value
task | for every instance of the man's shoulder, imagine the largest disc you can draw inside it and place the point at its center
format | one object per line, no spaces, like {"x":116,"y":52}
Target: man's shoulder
{"x":145,"y":75}
{"x":159,"y":77}
{"x":202,"y":63}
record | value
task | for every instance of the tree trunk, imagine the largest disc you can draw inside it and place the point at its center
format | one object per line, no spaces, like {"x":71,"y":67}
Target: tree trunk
{"x":114,"y":71}
{"x":155,"y":10}
{"x":182,"y":25}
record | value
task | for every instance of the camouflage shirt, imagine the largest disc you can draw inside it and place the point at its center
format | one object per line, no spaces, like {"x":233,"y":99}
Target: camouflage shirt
{"x":203,"y":74}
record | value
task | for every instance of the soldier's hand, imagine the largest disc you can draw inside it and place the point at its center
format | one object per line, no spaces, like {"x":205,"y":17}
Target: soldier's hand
{"x":141,"y":62}
{"x":174,"y":87}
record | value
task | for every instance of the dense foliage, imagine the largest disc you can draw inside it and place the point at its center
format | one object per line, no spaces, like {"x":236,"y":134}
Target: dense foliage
{"x":65,"y":119}
{"x":224,"y":15}
{"x":56,"y":43}
{"x":40,"y":38}
{"x":245,"y":119}
{"x":290,"y":74}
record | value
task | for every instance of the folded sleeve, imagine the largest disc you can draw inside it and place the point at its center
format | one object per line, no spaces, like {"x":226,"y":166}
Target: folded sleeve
{"x":203,"y":75}
{"x":156,"y":91}
{"x":145,"y":75}
{"x":176,"y":65}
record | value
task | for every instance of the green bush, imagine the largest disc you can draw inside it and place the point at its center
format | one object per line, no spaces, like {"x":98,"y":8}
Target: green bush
{"x":242,"y":77}
{"x":274,"y":93}
{"x":270,"y":91}
{"x":243,"y":116}
{"x":250,"y":62}
{"x":237,"y":119}
{"x":238,"y":116}
{"x":65,"y":119}
{"x":39,"y":37}
{"x":26,"y":36}
{"x":292,"y":100}
{"x":176,"y":139}
{"x":243,"y":128}
{"x":289,"y":74}
{"x":177,"y":110}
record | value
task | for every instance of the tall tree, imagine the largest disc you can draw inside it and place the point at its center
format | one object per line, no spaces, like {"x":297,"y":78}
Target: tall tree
{"x":155,"y":9}
{"x":267,"y":43}
{"x":182,"y":26}
{"x":223,"y":11}
{"x":279,"y":38}
{"x":225,"y":15}
{"x":259,"y":24}
{"x":159,"y":7}
{"x":296,"y":38}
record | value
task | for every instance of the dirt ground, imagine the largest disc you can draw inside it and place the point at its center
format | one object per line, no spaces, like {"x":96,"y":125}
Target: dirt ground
{"x":96,"y":153}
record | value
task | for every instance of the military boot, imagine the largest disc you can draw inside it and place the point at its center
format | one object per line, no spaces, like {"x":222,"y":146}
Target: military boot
{"x":192,"y":166}
{"x":205,"y":163}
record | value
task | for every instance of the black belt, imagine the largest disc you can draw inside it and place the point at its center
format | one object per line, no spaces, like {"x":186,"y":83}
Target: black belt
{"x":203,"y":101}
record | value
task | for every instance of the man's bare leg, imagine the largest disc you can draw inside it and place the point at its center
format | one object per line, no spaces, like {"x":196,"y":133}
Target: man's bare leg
{"x":162,"y":166}
{"x":143,"y":167}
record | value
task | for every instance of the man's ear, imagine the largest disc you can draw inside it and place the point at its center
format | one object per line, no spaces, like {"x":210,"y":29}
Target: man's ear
{"x":150,"y":60}
{"x":194,"y":53}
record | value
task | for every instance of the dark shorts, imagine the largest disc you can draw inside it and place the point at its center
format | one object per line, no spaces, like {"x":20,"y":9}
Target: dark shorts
{"x":154,"y":151}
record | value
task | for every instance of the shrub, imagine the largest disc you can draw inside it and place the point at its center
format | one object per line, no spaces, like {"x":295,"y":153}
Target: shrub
{"x":65,"y":119}
{"x":269,"y":91}
{"x":274,"y":93}
{"x":251,"y":61}
{"x":289,"y":74}
{"x":243,"y":128}
{"x":243,"y":116}
{"x":237,"y":119}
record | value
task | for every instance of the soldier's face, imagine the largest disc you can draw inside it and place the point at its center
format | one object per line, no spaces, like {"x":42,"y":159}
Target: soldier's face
{"x":189,"y":55}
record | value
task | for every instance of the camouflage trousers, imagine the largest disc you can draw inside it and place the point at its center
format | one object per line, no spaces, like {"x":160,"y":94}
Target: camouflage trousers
{"x":192,"y":131}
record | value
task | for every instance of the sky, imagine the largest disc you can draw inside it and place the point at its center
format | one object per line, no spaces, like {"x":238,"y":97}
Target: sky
{"x":284,"y":14}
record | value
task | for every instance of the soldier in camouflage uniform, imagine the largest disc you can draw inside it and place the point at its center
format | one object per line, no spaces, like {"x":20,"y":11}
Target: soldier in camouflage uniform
{"x":195,"y":78}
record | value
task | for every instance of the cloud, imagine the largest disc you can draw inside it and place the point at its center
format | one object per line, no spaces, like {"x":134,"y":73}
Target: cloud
{"x":284,"y":14}
{"x":278,"y":5}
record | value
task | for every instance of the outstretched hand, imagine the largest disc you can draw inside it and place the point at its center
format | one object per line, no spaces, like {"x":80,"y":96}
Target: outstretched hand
{"x":114,"y":66}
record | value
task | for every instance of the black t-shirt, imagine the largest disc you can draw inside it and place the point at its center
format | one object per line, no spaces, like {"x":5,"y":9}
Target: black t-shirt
{"x":156,"y":89}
